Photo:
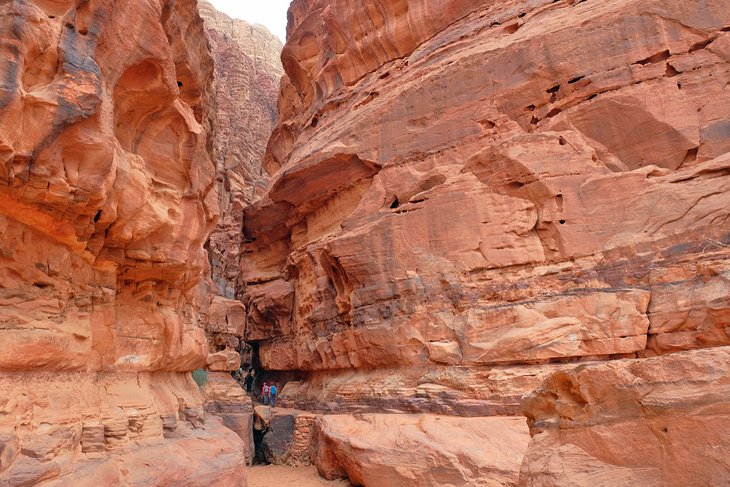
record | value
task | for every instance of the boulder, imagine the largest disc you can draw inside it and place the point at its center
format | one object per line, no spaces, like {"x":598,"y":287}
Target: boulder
{"x":225,"y":360}
{"x":399,"y":449}
{"x":225,"y":398}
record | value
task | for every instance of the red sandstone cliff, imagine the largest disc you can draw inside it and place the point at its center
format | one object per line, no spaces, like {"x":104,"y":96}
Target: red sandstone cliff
{"x":245,"y":86}
{"x":107,"y":199}
{"x":470,"y":198}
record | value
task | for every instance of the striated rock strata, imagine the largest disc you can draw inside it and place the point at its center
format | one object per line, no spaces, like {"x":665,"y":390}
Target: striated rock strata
{"x":471,"y":196}
{"x":247,"y":70}
{"x":246,"y":83}
{"x":107,"y":199}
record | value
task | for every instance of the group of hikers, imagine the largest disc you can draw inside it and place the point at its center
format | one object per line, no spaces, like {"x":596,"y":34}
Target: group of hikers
{"x":268,"y":391}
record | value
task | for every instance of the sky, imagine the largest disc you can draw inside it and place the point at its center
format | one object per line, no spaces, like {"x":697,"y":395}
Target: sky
{"x":271,"y":13}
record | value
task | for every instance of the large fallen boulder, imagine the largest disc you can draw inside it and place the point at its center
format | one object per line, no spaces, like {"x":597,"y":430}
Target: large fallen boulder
{"x":391,"y":450}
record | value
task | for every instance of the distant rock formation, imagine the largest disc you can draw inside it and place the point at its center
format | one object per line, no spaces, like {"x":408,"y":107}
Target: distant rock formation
{"x":247,"y":70}
{"x":472,"y":198}
{"x":106,"y":201}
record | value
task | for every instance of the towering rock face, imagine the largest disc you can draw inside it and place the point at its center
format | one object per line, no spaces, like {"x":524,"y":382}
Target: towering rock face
{"x":470,"y":196}
{"x":247,"y":70}
{"x":247,"y":73}
{"x":107,"y":199}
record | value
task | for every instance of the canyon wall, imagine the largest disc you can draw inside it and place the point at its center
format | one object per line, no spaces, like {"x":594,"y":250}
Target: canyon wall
{"x":108,"y":196}
{"x":246,"y":84}
{"x":477,"y":201}
{"x":246,"y":74}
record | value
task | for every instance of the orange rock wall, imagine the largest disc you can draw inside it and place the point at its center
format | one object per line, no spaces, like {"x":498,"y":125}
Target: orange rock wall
{"x":107,"y":199}
{"x":429,"y":211}
{"x":247,"y":70}
{"x":244,"y":90}
{"x":470,"y":196}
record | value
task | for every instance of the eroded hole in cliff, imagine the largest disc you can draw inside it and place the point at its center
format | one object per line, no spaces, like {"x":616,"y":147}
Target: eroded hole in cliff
{"x":671,"y":71}
{"x":394,"y":204}
{"x":656,"y":58}
{"x":512,"y":28}
{"x":701,"y":45}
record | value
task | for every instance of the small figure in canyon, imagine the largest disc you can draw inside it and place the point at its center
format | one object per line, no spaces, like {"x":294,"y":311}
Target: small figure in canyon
{"x":265,"y":393}
{"x":248,"y":382}
{"x":272,"y":392}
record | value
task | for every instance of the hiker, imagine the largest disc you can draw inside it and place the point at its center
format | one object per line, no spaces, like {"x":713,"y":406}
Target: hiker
{"x":265,"y":393}
{"x":272,"y":392}
{"x":248,"y":382}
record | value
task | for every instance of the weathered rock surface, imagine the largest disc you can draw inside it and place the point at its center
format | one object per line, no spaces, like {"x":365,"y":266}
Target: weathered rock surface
{"x":655,"y":421}
{"x":107,"y":197}
{"x":247,"y":69}
{"x":449,"y":193}
{"x":435,"y":213}
{"x":468,"y":191}
{"x":289,"y":436}
{"x":398,"y":449}
{"x":117,"y":428}
{"x":453,"y":390}
{"x":225,"y":398}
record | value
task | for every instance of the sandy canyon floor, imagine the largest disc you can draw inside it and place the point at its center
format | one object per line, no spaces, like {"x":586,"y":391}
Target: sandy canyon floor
{"x":272,"y":475}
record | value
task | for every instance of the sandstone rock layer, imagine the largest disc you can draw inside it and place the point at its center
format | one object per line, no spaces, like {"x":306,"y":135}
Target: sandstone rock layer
{"x":247,"y":70}
{"x":669,"y":413}
{"x":107,"y":199}
{"x":428,"y":210}
{"x":469,"y":198}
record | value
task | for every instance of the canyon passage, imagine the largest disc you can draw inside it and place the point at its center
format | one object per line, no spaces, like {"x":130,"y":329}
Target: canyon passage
{"x":472,"y":243}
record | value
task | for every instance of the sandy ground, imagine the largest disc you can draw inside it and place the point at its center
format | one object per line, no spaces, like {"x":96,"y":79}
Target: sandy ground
{"x":279,"y":475}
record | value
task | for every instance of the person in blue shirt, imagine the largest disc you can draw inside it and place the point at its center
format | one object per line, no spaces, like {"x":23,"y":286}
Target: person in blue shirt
{"x":272,"y":392}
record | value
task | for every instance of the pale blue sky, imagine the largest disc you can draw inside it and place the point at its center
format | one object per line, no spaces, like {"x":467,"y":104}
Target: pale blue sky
{"x":271,"y":13}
